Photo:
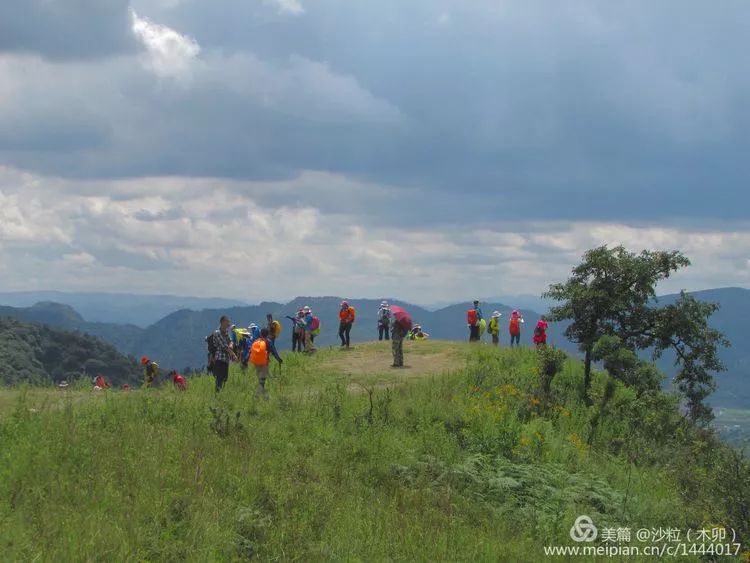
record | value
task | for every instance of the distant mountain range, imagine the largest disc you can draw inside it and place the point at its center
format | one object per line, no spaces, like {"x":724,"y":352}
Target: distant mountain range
{"x":177,"y":339}
{"x":118,"y":308}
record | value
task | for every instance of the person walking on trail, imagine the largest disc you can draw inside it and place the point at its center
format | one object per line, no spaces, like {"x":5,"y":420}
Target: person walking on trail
{"x":260,"y":357}
{"x":473,"y":319}
{"x":150,"y":371}
{"x":309,"y":324}
{"x":384,"y":320}
{"x":347,"y":316}
{"x":494,"y":327}
{"x":540,"y":332}
{"x":223,"y":353}
{"x":398,"y":333}
{"x":514,"y":328}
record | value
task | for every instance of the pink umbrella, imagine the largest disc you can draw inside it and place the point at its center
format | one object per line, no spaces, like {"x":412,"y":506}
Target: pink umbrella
{"x":402,"y":316}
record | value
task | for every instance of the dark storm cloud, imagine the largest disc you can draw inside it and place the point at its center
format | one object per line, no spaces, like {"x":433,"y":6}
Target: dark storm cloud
{"x":484,"y":112}
{"x":62,"y":29}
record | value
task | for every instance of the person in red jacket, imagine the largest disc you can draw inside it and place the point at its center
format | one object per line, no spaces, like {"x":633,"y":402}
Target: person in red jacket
{"x":101,"y":382}
{"x":540,"y":332}
{"x":347,"y":315}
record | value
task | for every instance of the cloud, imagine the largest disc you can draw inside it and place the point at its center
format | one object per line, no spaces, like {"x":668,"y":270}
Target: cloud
{"x":169,"y":53}
{"x":225,"y":235}
{"x":434,"y":147}
{"x":293,"y":7}
{"x":66,"y":29}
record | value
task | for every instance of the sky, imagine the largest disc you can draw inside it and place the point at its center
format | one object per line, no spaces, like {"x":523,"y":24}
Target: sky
{"x":431,"y":150}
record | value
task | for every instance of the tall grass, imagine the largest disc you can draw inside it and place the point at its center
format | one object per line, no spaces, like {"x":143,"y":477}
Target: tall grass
{"x":463,"y":466}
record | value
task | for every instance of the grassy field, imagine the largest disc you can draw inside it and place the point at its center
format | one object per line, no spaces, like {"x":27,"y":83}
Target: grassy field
{"x":459,"y":457}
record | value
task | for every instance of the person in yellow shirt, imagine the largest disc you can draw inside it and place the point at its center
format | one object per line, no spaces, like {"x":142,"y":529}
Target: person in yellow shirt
{"x":494,"y":327}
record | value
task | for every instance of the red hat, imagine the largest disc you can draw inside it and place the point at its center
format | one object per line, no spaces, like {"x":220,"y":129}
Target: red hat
{"x":144,"y":360}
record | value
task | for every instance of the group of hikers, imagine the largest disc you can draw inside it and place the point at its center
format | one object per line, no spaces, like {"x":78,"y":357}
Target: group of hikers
{"x":385,"y":318}
{"x":478,"y":325}
{"x":256,"y":345}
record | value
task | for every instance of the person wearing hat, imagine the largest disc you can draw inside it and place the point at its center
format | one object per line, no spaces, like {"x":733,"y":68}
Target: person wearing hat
{"x":347,"y":315}
{"x":150,"y":371}
{"x":298,"y":330}
{"x":384,"y":321}
{"x":308,"y":335}
{"x":494,"y":327}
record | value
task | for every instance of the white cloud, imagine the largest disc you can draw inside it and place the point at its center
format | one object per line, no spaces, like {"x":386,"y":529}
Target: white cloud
{"x":292,"y":7}
{"x":228,"y":236}
{"x":169,"y":53}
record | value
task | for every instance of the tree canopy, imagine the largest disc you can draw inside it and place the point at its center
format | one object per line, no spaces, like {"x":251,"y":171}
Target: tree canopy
{"x":610,"y":301}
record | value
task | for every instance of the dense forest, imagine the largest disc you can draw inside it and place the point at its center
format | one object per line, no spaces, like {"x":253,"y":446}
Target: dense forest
{"x":38,"y":354}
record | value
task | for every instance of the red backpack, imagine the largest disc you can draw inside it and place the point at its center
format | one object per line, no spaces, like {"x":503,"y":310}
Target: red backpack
{"x":471,"y":317}
{"x":515,"y":327}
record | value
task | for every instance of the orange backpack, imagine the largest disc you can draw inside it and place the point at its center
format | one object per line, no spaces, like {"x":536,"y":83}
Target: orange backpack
{"x":259,"y":353}
{"x":515,"y":327}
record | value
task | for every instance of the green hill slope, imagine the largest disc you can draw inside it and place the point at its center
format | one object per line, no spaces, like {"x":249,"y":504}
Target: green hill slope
{"x":459,"y":457}
{"x":37,"y":354}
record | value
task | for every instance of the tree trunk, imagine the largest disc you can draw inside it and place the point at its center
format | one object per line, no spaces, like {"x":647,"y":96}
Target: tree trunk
{"x":587,"y":375}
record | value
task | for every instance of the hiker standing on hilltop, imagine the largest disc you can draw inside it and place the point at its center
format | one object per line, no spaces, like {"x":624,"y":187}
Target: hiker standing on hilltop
{"x":347,"y":315}
{"x":514,"y":327}
{"x":221,"y":344}
{"x":309,"y":337}
{"x":384,"y":320}
{"x":473,"y":319}
{"x":494,"y":327}
{"x":298,"y":330}
{"x":260,"y":357}
{"x":398,"y":333}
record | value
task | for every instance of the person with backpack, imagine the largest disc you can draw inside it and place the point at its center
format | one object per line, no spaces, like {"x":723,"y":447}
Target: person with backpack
{"x":274,"y":328}
{"x":399,"y":331}
{"x":311,"y":324}
{"x":494,"y":327}
{"x":220,"y":348}
{"x":260,"y":357}
{"x":298,"y":330}
{"x":248,"y":336}
{"x":150,"y":371}
{"x":540,"y":332}
{"x":347,"y":316}
{"x":418,"y":334}
{"x":473,"y":319}
{"x":384,"y":320}
{"x":514,"y":328}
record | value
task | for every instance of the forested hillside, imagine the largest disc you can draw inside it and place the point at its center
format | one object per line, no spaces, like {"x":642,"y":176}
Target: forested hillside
{"x":39,"y":354}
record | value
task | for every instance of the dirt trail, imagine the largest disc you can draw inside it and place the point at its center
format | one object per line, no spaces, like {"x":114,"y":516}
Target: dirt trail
{"x":420,"y":359}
